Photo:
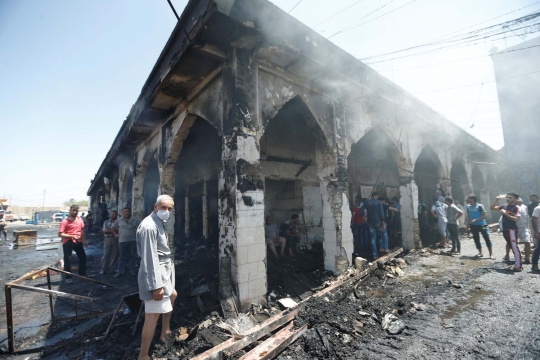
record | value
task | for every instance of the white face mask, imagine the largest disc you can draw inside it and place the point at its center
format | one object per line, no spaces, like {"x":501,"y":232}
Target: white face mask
{"x":163,"y":214}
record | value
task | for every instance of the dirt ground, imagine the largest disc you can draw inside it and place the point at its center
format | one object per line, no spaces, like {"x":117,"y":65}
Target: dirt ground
{"x":464,"y":308}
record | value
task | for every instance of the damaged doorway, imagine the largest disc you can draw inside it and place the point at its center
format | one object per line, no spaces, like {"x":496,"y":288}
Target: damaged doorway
{"x":459,"y":182}
{"x":289,"y":147}
{"x":151,"y":186}
{"x":196,"y":232}
{"x":372,"y":166}
{"x":427,"y":175}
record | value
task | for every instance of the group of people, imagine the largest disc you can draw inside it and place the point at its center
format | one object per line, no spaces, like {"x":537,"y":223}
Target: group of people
{"x":126,"y":239}
{"x":119,"y":249}
{"x":516,"y":218}
{"x":286,"y":239}
{"x":373,"y":222}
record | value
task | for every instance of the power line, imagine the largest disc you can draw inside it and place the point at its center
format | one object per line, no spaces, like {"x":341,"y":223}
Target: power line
{"x":339,"y":12}
{"x":374,"y":11}
{"x":378,"y":17}
{"x":483,"y":22}
{"x":449,"y":47}
{"x":482,"y":83}
{"x":294,"y":7}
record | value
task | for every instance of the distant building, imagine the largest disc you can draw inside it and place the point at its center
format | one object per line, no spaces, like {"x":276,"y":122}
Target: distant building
{"x":517,"y":70}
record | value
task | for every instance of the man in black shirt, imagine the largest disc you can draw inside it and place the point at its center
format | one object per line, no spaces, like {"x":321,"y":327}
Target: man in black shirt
{"x":535,"y":201}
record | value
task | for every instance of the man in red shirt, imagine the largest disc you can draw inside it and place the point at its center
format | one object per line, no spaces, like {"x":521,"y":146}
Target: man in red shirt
{"x":358,"y":224}
{"x":72,"y":234}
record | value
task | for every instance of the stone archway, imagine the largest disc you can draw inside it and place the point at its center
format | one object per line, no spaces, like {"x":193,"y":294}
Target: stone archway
{"x":459,"y":182}
{"x":428,"y":173}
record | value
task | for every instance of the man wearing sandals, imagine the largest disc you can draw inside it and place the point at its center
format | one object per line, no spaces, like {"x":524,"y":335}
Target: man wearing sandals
{"x":476,"y":225}
{"x":511,"y":214}
{"x":156,"y":274}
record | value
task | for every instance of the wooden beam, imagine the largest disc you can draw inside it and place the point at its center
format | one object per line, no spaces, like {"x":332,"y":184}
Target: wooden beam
{"x":201,"y":85}
{"x":258,"y":331}
{"x":211,"y":50}
{"x":51,"y":292}
{"x":271,"y":347}
{"x":28,"y":275}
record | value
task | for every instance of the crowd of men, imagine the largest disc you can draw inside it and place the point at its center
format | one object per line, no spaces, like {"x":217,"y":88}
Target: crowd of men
{"x":130,"y":243}
{"x":374,"y":222}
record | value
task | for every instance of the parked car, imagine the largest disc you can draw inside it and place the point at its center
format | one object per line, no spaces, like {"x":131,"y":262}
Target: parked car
{"x":57,"y":217}
{"x":8,"y":215}
{"x":16,"y":217}
{"x":24,"y":217}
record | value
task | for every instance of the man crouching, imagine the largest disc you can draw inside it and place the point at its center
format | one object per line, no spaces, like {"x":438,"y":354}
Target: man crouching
{"x":156,"y":274}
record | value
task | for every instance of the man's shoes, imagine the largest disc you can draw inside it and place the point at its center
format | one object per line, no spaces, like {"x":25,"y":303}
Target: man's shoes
{"x":117,"y":275}
{"x":515,"y":269}
{"x":527,"y":262}
{"x":506,"y":258}
{"x":69,"y":281}
{"x":535,"y":268}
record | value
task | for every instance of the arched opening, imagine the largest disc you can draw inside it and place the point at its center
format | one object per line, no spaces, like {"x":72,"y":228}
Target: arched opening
{"x":151,"y":186}
{"x":288,"y":153}
{"x":196,"y":185}
{"x":459,"y":182}
{"x":372,"y":167}
{"x":477,"y":181}
{"x":427,"y":175}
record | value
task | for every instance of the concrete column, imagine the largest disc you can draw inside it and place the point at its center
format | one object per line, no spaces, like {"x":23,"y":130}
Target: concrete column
{"x":409,"y":215}
{"x":137,"y":208}
{"x":241,"y":222}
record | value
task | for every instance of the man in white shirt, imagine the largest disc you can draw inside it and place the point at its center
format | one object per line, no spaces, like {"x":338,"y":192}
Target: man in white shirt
{"x":439,"y":212}
{"x":524,"y":234}
{"x":536,"y":227}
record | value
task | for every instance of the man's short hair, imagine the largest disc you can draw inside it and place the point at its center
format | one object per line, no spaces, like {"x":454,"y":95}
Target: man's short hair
{"x":375,"y":193}
{"x":126,"y":208}
{"x":162,"y":198}
{"x":474,"y":198}
{"x":534,"y":195}
{"x":514,"y":195}
{"x":74,"y":207}
{"x":114,"y":211}
{"x":294,"y":216}
{"x":450,"y":200}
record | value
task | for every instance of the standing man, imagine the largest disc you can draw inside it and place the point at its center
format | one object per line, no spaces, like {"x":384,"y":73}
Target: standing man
{"x":109,"y":261}
{"x":535,"y":201}
{"x":524,"y":235}
{"x":462,"y":227}
{"x":376,"y":222}
{"x":271,"y":235}
{"x":3,"y":226}
{"x":358,"y":224}
{"x":536,"y":227}
{"x":511,"y":215}
{"x":73,"y":239}
{"x":438,"y":210}
{"x":125,"y":230}
{"x":104,"y":212}
{"x":453,"y":214}
{"x":477,"y":224}
{"x":156,"y":274}
{"x":89,"y":222}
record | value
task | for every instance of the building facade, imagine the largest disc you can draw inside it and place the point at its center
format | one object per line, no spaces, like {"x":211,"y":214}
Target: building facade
{"x":517,"y":71}
{"x":249,"y":112}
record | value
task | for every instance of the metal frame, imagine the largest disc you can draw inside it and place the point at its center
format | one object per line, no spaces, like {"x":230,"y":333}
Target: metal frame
{"x":16,"y":284}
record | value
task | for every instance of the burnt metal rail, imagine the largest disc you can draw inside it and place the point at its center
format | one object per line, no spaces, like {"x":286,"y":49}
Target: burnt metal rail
{"x":16,"y":284}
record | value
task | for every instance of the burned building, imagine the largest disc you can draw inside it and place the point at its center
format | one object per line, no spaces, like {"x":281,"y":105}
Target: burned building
{"x":248,"y":112}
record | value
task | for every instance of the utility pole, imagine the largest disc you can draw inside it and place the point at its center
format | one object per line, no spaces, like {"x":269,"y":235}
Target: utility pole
{"x":43,"y":205}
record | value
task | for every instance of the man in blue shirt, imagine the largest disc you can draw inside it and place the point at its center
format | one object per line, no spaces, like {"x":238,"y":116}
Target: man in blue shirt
{"x":476,"y":224}
{"x":511,"y":214}
{"x":376,"y":222}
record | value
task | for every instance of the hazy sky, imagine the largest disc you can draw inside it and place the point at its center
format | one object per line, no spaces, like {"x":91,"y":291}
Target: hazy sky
{"x":71,"y":70}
